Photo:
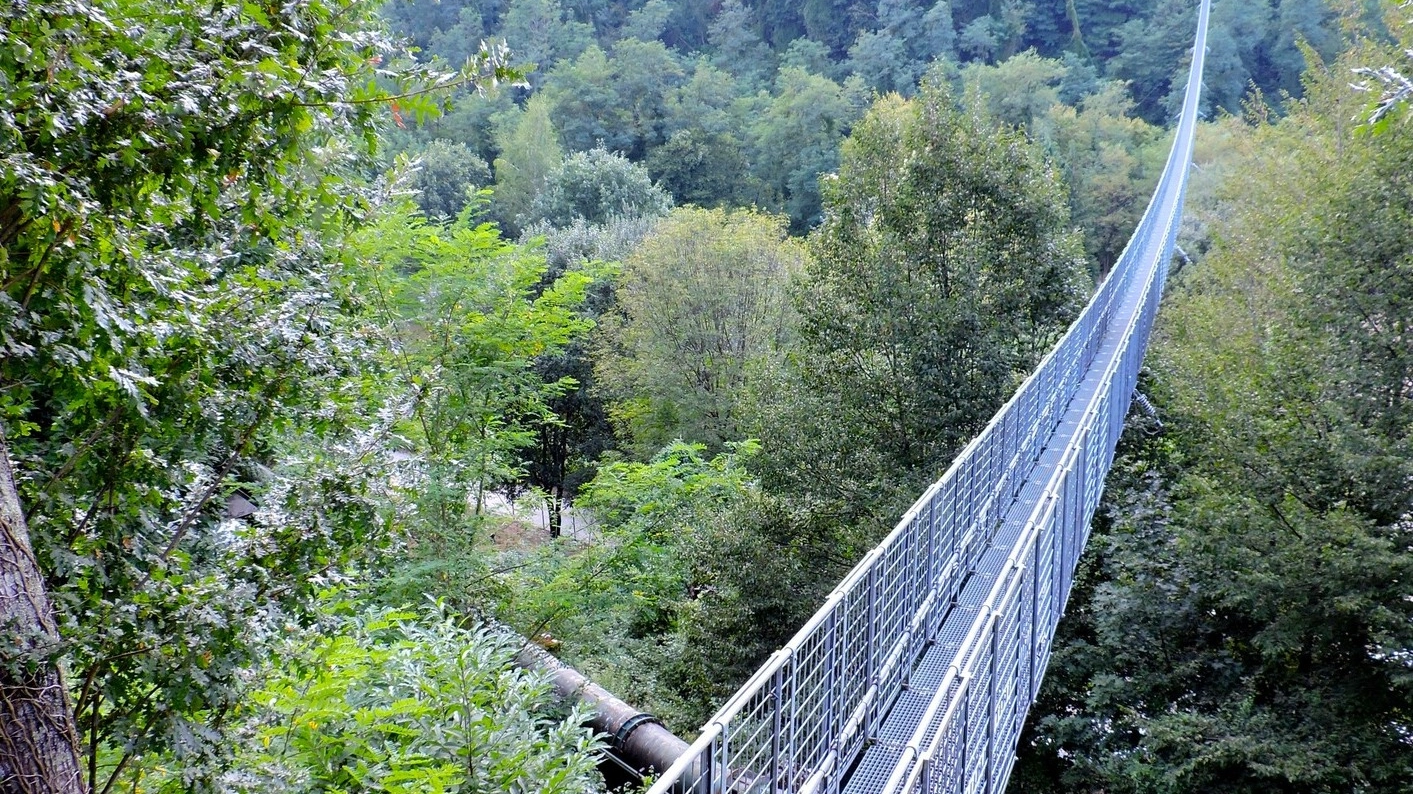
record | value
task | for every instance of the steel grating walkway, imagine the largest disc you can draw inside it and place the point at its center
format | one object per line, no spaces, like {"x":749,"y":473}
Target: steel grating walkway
{"x":917,"y":672}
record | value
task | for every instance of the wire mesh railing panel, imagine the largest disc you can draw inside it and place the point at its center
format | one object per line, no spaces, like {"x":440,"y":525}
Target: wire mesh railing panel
{"x":947,"y":776}
{"x":978,"y":718}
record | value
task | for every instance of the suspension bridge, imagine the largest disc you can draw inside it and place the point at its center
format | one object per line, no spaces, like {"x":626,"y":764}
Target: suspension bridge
{"x":917,"y":672}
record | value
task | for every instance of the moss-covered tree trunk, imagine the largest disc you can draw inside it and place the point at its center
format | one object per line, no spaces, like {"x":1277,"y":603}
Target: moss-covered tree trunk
{"x":38,"y":748}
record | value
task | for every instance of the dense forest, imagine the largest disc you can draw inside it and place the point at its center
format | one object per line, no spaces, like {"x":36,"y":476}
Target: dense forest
{"x":345,"y":347}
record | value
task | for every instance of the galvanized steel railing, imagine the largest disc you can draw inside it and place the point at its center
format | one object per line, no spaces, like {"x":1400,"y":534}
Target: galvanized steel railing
{"x":806,"y":716}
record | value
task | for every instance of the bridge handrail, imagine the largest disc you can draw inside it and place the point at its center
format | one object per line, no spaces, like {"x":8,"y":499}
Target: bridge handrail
{"x":807,"y":711}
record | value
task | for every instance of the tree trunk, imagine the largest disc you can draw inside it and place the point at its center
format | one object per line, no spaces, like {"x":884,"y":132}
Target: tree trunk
{"x":38,"y":744}
{"x":554,"y":505}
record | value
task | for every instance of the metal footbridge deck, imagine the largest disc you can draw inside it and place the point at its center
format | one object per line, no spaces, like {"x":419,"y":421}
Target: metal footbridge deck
{"x":917,"y":672}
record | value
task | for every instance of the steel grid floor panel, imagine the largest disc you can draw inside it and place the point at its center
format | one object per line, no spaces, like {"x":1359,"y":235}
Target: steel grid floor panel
{"x":873,"y":771}
{"x":1007,"y":535}
{"x":978,"y":587}
{"x":955,"y":629}
{"x":904,"y":719}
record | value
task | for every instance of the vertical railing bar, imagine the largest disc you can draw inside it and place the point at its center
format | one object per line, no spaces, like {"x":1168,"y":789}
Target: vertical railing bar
{"x":991,"y":704}
{"x":778,"y":686}
{"x":1032,"y":692}
{"x":830,"y":677}
{"x":871,"y":649}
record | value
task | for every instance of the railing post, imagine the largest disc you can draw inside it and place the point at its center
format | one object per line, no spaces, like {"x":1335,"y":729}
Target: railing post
{"x":930,"y":575}
{"x":1033,"y":686}
{"x":777,"y":724}
{"x":794,"y":727}
{"x":963,"y":763}
{"x":713,"y":764}
{"x":991,"y":704}
{"x":831,"y":678}
{"x":871,"y":650}
{"x":723,"y":770}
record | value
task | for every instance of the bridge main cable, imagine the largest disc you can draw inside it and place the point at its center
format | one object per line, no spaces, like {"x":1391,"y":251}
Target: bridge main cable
{"x":917,"y":672}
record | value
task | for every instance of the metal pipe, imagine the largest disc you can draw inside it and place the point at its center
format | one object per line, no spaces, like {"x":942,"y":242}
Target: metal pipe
{"x":635,"y":736}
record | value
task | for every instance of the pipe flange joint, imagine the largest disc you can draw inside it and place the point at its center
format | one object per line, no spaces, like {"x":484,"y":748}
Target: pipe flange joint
{"x":633,"y":723}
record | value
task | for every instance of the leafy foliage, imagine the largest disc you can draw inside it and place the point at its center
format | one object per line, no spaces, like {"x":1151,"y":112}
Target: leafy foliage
{"x":619,"y":75}
{"x":530,"y":150}
{"x":796,"y":139}
{"x":704,"y":169}
{"x":567,"y":449}
{"x":699,"y":301}
{"x":390,"y":702}
{"x":180,"y":324}
{"x":448,"y":176}
{"x":596,"y":187}
{"x":1110,"y":161}
{"x":627,"y":607}
{"x":173,"y":321}
{"x":469,"y":317}
{"x":944,"y":268}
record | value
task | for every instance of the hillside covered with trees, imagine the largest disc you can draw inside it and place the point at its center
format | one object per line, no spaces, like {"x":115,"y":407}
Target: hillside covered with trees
{"x":346,"y":347}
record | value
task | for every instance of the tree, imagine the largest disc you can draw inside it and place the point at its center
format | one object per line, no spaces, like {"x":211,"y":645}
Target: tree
{"x":708,"y":101}
{"x":699,"y":300}
{"x":835,"y":23}
{"x":944,"y":268}
{"x":1295,"y":21}
{"x":810,"y":56}
{"x":881,"y":59}
{"x":618,"y":101}
{"x":624,"y":606}
{"x":1020,"y":89}
{"x":470,"y":120}
{"x":1151,"y":52}
{"x":585,"y":103}
{"x":795,"y":139}
{"x":1238,"y":31}
{"x":448,"y":175}
{"x":568,"y":447}
{"x":174,"y":327}
{"x":737,"y":44}
{"x":928,"y":32}
{"x":937,"y":37}
{"x":468,"y":322}
{"x":703,"y":169}
{"x":981,"y":39}
{"x":542,"y":33}
{"x":1110,"y":162}
{"x":645,"y":74}
{"x":38,"y":745}
{"x":647,"y":23}
{"x":597,"y":186}
{"x":594,"y":209}
{"x":420,"y":20}
{"x":459,"y":42}
{"x":530,"y":150}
